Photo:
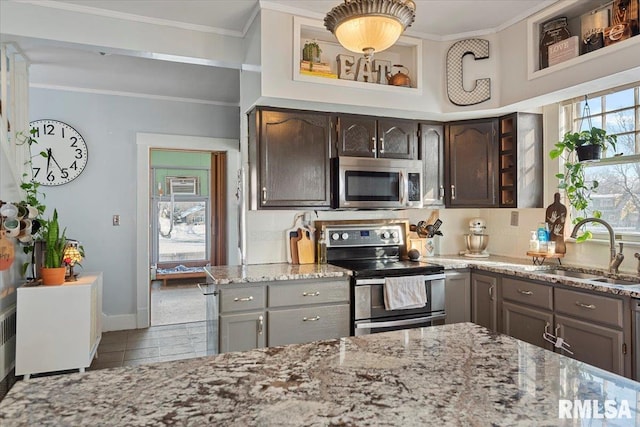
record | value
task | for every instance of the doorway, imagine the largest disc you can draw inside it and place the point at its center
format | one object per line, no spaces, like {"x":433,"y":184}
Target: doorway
{"x":187,"y":218}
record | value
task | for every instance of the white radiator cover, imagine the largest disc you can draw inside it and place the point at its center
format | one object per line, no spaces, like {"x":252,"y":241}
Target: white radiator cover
{"x":7,"y":341}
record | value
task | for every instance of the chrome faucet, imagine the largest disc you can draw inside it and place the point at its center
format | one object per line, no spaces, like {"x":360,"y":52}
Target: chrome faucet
{"x":616,"y":259}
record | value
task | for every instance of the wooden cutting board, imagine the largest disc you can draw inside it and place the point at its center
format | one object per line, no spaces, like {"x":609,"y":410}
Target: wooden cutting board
{"x":294,"y":238}
{"x":306,"y":254}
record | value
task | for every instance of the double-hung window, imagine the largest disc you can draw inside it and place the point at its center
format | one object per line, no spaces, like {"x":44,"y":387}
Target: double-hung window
{"x":618,"y":173}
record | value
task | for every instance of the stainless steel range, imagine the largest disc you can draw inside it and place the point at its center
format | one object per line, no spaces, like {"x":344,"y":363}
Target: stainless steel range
{"x":375,"y":252}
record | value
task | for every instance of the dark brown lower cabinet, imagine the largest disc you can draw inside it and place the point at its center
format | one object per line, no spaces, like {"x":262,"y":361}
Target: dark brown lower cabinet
{"x":595,"y":327}
{"x":457,"y":300}
{"x":527,"y":323}
{"x":484,"y":301}
{"x":593,"y":344}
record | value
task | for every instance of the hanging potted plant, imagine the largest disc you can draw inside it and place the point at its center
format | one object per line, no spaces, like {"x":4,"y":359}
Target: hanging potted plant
{"x":54,"y":269}
{"x":590,"y":143}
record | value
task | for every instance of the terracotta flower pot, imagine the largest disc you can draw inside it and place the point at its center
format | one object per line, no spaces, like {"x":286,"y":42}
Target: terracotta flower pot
{"x":53,"y":276}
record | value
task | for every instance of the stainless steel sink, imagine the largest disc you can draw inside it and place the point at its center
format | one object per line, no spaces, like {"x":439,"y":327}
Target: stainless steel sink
{"x":569,"y":273}
{"x":615,"y":281}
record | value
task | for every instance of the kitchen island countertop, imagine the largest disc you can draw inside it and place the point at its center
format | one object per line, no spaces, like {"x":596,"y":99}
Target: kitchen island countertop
{"x":459,"y":374}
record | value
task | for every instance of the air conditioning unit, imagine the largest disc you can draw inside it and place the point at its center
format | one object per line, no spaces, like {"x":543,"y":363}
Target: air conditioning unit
{"x":183,"y":185}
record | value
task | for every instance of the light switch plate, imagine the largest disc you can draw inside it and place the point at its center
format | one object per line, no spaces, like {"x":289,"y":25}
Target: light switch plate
{"x":514,"y":218}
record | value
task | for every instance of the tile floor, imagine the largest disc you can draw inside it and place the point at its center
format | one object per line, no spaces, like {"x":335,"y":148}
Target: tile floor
{"x":177,"y":302}
{"x":178,"y":331}
{"x":155,"y":344}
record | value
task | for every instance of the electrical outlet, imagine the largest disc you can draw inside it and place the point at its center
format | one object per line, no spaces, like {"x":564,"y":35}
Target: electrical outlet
{"x":514,"y":218}
{"x":116,"y":220}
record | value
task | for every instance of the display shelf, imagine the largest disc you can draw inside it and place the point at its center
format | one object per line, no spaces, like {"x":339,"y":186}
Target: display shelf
{"x":573,"y":11}
{"x":407,"y":51}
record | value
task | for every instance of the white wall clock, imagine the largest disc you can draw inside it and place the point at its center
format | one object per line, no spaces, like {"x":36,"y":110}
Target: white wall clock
{"x":59,"y":154}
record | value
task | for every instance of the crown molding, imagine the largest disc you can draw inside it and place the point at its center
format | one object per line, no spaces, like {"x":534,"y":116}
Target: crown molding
{"x":132,"y":95}
{"x":130,"y":17}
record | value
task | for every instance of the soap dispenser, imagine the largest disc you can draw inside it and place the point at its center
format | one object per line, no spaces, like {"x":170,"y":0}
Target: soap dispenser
{"x":534,"y":243}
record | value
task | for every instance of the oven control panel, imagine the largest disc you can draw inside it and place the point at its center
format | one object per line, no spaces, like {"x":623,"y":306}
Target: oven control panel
{"x":350,"y":236}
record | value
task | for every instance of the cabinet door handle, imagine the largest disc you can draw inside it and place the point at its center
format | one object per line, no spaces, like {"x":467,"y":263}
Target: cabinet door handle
{"x":525,"y":292}
{"x":491,"y":292}
{"x":589,"y":306}
{"x":381,"y":145}
{"x":441,"y":192}
{"x":311,"y":294}
{"x":310,"y":319}
{"x":243,"y":299}
{"x":373,"y":144}
{"x":453,"y":192}
{"x":264,"y":194}
{"x":260,"y":324}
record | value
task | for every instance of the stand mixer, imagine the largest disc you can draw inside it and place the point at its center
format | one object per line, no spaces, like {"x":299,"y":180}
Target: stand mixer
{"x":476,"y":240}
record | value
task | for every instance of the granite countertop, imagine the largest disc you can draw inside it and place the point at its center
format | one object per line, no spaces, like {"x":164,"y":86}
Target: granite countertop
{"x":525,"y":269}
{"x":459,"y":374}
{"x":236,"y":274}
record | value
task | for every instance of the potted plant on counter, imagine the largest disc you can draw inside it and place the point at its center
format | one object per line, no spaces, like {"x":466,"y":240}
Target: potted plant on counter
{"x":54,"y":269}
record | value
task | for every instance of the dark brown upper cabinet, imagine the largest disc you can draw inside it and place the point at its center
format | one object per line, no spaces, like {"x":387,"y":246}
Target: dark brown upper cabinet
{"x":471,"y":157}
{"x":289,"y":154}
{"x":431,"y":137}
{"x":362,"y":136}
{"x":520,"y":161}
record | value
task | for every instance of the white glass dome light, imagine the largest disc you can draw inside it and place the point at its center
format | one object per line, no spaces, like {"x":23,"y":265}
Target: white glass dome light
{"x":368,"y":26}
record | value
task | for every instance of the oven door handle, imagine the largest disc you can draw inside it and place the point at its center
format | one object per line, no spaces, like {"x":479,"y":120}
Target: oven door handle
{"x":380,"y":281}
{"x":392,"y":323}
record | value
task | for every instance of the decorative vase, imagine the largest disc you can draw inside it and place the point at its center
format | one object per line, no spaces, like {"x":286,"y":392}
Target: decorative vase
{"x":589,"y":152}
{"x":53,"y":276}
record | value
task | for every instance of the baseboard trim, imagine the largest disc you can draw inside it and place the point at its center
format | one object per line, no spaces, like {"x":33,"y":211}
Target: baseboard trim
{"x":118,"y":322}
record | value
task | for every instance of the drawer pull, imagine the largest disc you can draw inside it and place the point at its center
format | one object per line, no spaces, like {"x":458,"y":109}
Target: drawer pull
{"x":589,"y":306}
{"x":260,"y":324}
{"x":310,"y":319}
{"x":244,"y":299}
{"x":311,"y":294}
{"x":525,"y":292}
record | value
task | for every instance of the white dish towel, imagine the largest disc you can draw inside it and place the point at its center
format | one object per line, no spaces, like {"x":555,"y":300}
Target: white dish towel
{"x":406,"y":292}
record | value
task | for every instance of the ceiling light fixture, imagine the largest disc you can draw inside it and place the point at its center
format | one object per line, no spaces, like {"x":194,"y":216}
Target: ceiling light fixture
{"x":368,"y":26}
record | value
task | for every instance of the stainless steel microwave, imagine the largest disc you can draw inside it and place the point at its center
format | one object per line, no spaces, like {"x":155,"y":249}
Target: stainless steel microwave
{"x":366,"y":183}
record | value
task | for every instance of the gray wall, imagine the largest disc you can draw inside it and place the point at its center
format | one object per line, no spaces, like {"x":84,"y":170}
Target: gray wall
{"x":108,"y":184}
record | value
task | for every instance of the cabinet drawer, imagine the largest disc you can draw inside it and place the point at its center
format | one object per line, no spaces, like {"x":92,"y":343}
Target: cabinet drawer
{"x":300,"y":325}
{"x":527,"y":293}
{"x":312,"y":292}
{"x":590,"y":307}
{"x":241,"y":299}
